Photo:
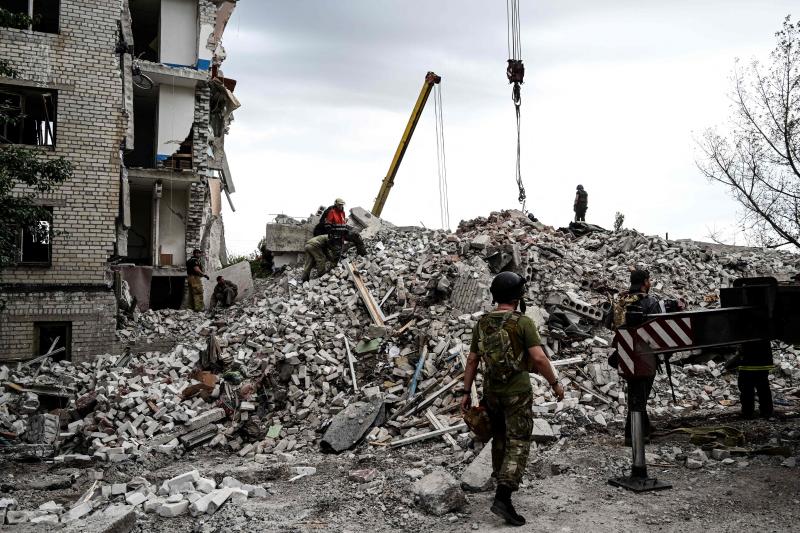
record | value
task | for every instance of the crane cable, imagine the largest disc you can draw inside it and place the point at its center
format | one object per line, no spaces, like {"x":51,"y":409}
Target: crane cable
{"x":515,"y":72}
{"x":441,"y":160}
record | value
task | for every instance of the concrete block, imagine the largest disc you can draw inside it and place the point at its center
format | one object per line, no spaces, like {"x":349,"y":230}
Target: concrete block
{"x":17,"y":517}
{"x":76,"y":512}
{"x":238,"y":495}
{"x":45,"y":519}
{"x":205,"y":485}
{"x":187,"y":477}
{"x":135,"y":498}
{"x":478,"y":475}
{"x":218,"y":499}
{"x":171,"y":510}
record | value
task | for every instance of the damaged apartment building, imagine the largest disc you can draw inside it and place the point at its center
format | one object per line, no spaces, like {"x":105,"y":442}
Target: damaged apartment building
{"x":132,"y":93}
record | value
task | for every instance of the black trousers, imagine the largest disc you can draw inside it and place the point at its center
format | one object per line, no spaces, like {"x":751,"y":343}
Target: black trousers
{"x":580,"y":214}
{"x":752,"y":382}
{"x":638,"y":393}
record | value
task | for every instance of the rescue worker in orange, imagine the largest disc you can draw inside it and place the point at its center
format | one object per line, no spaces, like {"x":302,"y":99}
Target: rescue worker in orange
{"x":335,"y":217}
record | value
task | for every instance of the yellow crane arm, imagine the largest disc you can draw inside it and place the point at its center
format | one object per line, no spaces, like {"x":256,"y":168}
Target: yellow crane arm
{"x":430,"y":80}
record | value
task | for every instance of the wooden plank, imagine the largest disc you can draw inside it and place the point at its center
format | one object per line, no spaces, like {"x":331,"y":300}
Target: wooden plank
{"x":426,"y":436}
{"x":405,"y":327}
{"x":430,"y":399}
{"x":565,"y":362}
{"x":437,"y":424}
{"x":417,"y":371}
{"x":350,"y":362}
{"x":372,"y":306}
{"x":386,"y":296}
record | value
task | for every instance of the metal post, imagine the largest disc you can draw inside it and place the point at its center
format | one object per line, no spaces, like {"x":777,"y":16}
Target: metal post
{"x":639,"y":468}
{"x":638,"y":481}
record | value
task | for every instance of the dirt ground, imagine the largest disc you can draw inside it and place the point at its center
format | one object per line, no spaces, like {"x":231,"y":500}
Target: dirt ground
{"x":753,"y":493}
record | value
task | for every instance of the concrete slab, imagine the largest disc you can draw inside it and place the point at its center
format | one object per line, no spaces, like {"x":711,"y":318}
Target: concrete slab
{"x":281,"y":238}
{"x":239,"y":273}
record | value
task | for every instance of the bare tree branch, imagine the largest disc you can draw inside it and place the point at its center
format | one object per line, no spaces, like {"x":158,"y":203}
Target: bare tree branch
{"x":758,"y":158}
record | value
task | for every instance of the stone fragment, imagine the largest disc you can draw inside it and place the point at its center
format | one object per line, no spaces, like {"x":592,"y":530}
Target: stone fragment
{"x":362,"y":476}
{"x":171,"y":510}
{"x":478,"y":475}
{"x":439,"y":493}
{"x":80,"y":510}
{"x":542,"y":432}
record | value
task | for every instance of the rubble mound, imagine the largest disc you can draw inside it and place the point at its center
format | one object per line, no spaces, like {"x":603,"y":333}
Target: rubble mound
{"x":269,"y":375}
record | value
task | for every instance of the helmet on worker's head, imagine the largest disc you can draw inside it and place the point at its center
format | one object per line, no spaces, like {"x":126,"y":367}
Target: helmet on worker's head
{"x":339,"y":202}
{"x":580,"y":187}
{"x":507,"y":287}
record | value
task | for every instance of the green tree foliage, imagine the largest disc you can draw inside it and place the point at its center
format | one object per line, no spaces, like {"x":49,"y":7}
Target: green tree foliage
{"x":20,"y":21}
{"x":758,"y":158}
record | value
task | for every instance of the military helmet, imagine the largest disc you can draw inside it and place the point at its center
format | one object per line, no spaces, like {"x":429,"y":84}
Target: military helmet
{"x":580,"y":187}
{"x":338,"y":201}
{"x":507,"y":286}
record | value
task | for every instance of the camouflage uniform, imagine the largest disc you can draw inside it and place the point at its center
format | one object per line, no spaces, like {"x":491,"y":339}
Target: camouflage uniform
{"x":317,"y":255}
{"x":510,"y":409}
{"x":512,"y":425}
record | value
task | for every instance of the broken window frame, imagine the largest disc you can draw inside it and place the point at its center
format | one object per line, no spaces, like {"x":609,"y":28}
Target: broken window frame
{"x":65,"y":339}
{"x":19,"y":126}
{"x":44,"y":233}
{"x":34,"y":11}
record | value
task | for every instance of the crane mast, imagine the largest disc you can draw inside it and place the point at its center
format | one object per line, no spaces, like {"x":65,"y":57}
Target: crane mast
{"x":431,"y":79}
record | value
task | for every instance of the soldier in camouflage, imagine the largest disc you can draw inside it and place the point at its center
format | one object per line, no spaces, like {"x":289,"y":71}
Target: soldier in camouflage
{"x":507,"y":394}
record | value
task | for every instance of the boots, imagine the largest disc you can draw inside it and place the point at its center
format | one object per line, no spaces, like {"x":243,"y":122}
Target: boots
{"x":503,"y":507}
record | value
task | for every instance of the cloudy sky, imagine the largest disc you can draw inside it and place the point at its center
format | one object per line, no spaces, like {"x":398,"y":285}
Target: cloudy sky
{"x":615,"y":93}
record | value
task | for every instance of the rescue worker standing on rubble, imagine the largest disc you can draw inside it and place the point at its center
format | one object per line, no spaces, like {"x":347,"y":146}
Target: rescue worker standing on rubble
{"x":637,"y":299}
{"x":508,"y":343}
{"x":194,"y":271}
{"x":334,"y":219}
{"x":581,"y":204}
{"x":754,"y":364}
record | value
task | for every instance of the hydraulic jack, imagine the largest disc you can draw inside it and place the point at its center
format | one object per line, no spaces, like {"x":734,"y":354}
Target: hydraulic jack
{"x":638,"y":481}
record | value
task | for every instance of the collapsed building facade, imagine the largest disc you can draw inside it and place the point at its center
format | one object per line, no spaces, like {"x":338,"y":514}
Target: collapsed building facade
{"x":131,"y":92}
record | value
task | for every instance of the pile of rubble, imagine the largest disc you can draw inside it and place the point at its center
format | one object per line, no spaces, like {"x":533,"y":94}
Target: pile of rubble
{"x":374,"y":350}
{"x":186,"y":493}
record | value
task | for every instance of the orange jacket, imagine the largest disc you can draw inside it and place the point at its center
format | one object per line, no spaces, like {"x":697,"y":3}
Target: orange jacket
{"x":336,"y":216}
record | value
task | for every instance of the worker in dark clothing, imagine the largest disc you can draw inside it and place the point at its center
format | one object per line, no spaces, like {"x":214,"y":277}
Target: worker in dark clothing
{"x":755,"y":362}
{"x":334,"y":219}
{"x":581,"y":204}
{"x":225,"y":293}
{"x":194,"y":271}
{"x":638,"y":299}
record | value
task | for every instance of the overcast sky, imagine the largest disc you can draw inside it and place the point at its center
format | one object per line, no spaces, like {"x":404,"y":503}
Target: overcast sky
{"x":615,"y":93}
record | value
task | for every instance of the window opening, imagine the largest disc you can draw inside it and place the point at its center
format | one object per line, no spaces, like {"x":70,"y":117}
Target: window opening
{"x":28,"y":116}
{"x":36,"y":241}
{"x":47,"y":332}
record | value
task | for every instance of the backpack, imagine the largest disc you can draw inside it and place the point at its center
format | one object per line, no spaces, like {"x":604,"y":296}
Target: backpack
{"x":620,"y":308}
{"x":321,"y":227}
{"x":500,"y":347}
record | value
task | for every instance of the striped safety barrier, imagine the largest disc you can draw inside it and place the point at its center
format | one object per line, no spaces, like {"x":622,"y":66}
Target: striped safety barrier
{"x":655,"y":335}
